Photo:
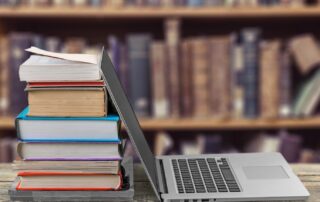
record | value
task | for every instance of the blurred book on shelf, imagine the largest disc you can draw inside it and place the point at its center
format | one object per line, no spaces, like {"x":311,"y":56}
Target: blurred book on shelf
{"x":234,"y":76}
{"x":155,"y":3}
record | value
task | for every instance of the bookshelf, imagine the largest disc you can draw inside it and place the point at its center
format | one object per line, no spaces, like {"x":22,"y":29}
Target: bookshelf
{"x":147,"y":13}
{"x":209,"y":124}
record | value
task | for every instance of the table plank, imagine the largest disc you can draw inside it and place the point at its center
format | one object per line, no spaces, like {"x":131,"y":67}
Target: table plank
{"x":308,"y":173}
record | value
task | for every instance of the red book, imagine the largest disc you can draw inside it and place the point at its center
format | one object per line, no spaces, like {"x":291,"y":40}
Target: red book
{"x":65,"y":84}
{"x":76,"y":181}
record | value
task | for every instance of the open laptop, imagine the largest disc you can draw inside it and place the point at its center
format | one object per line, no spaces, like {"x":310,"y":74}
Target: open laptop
{"x":207,"y":177}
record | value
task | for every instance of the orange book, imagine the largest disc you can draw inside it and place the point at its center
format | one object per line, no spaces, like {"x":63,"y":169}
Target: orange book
{"x":76,"y":181}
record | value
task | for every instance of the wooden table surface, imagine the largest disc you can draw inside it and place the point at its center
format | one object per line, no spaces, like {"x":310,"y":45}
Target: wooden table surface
{"x":308,"y":173}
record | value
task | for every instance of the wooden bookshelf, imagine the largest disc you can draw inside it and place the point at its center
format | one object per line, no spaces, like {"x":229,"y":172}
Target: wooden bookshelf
{"x":147,"y":13}
{"x":207,"y":124}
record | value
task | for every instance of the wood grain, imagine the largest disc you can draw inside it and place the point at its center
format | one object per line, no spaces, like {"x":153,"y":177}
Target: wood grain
{"x":308,"y":173}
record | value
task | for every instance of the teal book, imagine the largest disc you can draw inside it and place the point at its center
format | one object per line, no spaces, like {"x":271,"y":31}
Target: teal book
{"x":68,"y":129}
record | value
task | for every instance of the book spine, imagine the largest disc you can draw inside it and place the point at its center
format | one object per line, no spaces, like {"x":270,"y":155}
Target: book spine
{"x":220,"y":77}
{"x":237,"y":68}
{"x":158,"y":75}
{"x":4,"y":74}
{"x":186,"y":79}
{"x":18,"y":43}
{"x":250,"y":39}
{"x":172,"y":34}
{"x":269,"y":78}
{"x":114,"y":47}
{"x":285,"y":85}
{"x":138,"y":47}
{"x":200,"y":77}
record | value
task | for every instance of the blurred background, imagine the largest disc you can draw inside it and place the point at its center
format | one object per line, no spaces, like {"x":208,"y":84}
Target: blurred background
{"x":204,"y":76}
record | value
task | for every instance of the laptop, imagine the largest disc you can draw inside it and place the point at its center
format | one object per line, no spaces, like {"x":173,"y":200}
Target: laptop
{"x":206,"y":177}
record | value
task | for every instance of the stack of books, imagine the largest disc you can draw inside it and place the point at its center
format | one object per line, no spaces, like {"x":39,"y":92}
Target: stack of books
{"x":68,"y":139}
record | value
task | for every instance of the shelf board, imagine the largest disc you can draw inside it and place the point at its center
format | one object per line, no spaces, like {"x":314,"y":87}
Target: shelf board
{"x":213,"y":124}
{"x":6,"y":123}
{"x":207,"y":124}
{"x":140,"y":12}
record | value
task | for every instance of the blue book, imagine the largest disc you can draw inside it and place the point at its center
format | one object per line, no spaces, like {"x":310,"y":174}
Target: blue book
{"x":250,"y":40}
{"x":67,"y":129}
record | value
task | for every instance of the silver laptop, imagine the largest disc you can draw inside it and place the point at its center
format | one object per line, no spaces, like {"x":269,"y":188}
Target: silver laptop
{"x":208,"y":177}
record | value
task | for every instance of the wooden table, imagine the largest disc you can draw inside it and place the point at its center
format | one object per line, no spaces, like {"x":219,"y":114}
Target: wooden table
{"x":308,"y":173}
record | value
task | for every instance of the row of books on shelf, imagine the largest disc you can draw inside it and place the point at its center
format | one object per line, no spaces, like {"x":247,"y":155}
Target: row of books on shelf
{"x":239,"y":75}
{"x":68,"y":139}
{"x":154,"y":3}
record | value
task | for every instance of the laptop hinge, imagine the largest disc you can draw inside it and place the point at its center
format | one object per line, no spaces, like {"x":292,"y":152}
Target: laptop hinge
{"x":161,"y":176}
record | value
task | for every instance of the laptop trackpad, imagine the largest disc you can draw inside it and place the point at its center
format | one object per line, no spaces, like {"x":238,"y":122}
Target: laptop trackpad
{"x":265,"y":172}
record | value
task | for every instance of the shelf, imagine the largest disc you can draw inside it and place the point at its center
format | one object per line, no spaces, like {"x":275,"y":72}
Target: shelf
{"x":197,"y":124}
{"x":206,"y":124}
{"x":136,"y":12}
{"x":6,"y":123}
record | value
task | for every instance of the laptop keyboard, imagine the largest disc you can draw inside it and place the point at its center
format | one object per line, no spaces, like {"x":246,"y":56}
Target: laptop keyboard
{"x":204,"y":175}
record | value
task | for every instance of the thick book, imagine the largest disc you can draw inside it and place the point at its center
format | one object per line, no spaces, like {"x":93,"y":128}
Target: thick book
{"x":75,"y":181}
{"x":73,"y":151}
{"x":160,"y":107}
{"x":139,"y":72}
{"x":219,"y":71}
{"x":106,"y":167}
{"x":44,"y":68}
{"x":270,"y":78}
{"x":200,"y":78}
{"x":67,"y":101}
{"x":250,"y":39}
{"x":172,"y":37}
{"x":305,"y":51}
{"x":86,"y":129}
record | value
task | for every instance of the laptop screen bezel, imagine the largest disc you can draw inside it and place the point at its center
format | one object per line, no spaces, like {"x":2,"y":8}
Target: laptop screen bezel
{"x":129,"y":120}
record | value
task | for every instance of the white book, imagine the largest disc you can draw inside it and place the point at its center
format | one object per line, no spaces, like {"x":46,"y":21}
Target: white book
{"x":51,"y":66}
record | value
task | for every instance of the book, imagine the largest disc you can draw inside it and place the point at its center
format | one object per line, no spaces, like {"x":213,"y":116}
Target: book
{"x":4,"y":76}
{"x":172,"y":38}
{"x":158,"y":77}
{"x":85,"y":129}
{"x":306,"y":52}
{"x":237,"y":73}
{"x":219,"y":71}
{"x":80,"y":151}
{"x":200,"y":79}
{"x":250,"y":39}
{"x":44,"y":68}
{"x":269,"y":78}
{"x":186,"y":79}
{"x":308,"y":96}
{"x":285,"y":97}
{"x":138,"y":60}
{"x":107,"y":167}
{"x":290,"y":146}
{"x":77,"y":181}
{"x":43,"y":84}
{"x":67,"y":101}
{"x":114,"y":50}
{"x":18,"y":42}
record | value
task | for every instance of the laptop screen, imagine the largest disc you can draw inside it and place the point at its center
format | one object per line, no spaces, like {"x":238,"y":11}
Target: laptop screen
{"x":129,"y":119}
